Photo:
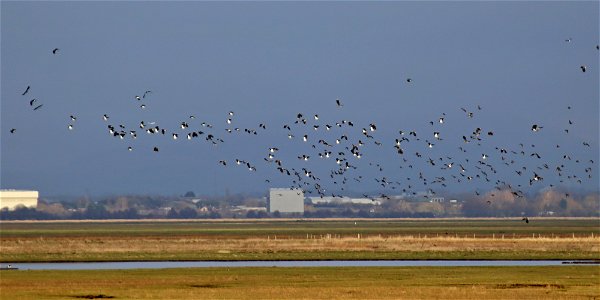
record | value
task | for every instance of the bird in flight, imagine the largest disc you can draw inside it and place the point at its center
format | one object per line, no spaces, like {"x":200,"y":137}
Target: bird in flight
{"x":338,"y":102}
{"x":55,"y":50}
{"x":26,"y":90}
{"x":583,"y":68}
{"x":38,"y":107}
{"x":13,"y":130}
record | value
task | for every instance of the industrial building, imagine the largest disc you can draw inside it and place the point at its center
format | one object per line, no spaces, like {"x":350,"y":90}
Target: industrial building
{"x":343,"y":200}
{"x":13,"y":199}
{"x":286,"y":200}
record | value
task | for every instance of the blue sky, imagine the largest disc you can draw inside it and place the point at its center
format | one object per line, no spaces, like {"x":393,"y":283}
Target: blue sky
{"x":269,"y":61}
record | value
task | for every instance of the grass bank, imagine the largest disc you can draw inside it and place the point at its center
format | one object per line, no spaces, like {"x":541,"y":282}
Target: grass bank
{"x":300,"y":240}
{"x":342,"y":248}
{"x":561,"y":282}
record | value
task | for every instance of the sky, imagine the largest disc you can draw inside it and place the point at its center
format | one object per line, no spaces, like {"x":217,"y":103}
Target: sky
{"x":520,"y":62}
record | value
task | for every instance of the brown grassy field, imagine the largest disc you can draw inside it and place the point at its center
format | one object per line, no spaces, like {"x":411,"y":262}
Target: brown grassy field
{"x":300,"y":239}
{"x":384,"y":247}
{"x":560,"y":282}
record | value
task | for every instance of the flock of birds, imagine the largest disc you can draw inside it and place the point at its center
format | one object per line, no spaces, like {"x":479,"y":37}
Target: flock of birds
{"x":340,"y":146}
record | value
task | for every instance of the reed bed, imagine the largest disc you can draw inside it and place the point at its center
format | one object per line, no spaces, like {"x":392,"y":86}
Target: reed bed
{"x":198,"y":248}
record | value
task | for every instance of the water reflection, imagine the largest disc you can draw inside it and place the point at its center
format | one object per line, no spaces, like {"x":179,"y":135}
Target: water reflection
{"x":232,"y":264}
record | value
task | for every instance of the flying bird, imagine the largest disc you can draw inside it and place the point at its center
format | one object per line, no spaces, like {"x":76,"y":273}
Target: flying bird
{"x":583,"y":68}
{"x":26,"y":90}
{"x":38,"y":107}
{"x":55,"y":50}
{"x":13,"y":130}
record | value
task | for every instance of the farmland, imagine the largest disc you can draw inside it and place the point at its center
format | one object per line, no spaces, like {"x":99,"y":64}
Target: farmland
{"x":561,"y":282}
{"x":289,"y":239}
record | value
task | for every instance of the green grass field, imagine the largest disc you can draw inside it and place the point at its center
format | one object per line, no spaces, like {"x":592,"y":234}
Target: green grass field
{"x":300,"y":240}
{"x":299,"y":228}
{"x":561,"y":282}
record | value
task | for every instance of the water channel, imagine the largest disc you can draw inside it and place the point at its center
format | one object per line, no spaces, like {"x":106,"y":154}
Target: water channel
{"x":339,"y":263}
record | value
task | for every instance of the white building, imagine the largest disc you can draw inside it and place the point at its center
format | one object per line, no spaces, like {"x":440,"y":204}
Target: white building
{"x":286,"y":200}
{"x":436,"y":199}
{"x":12,"y":199}
{"x":342,"y":200}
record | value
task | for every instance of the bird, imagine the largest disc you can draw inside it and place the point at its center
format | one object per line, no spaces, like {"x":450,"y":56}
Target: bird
{"x":338,"y":102}
{"x":146,"y":93}
{"x":13,"y":130}
{"x":583,"y":68}
{"x":26,"y":90}
{"x":38,"y":107}
{"x":536,"y":127}
{"x":73,"y":118}
{"x":70,"y":127}
{"x":55,"y":50}
{"x":105,"y":118}
{"x":32,"y":101}
{"x":155,"y":149}
{"x":408,"y":80}
{"x":526,"y":219}
{"x":143,"y":106}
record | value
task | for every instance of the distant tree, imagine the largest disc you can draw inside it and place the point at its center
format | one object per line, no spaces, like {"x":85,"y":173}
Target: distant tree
{"x":262,"y":214}
{"x":363,"y":214}
{"x":188,"y":213}
{"x":563,"y":204}
{"x":172,"y":214}
{"x":130,"y":213}
{"x":96,"y":211}
{"x":24,"y":213}
{"x":214,"y":215}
